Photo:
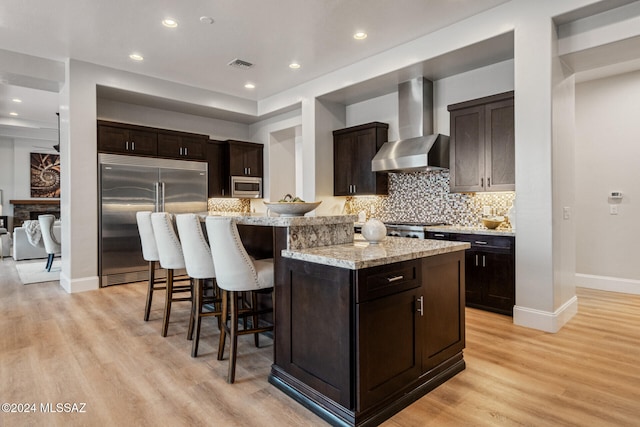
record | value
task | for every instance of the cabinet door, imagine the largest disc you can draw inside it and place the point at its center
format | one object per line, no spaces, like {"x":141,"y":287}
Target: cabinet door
{"x":344,"y":151}
{"x":215,"y":159}
{"x":236,"y":160}
{"x":253,"y":160}
{"x":193,"y":147}
{"x":169,"y":145}
{"x":467,"y":149}
{"x":499,"y":282}
{"x":143,"y":143}
{"x":112,"y":139}
{"x":364,"y":177}
{"x":388,"y":355}
{"x":245,"y":159}
{"x":500,"y":146}
{"x":474,"y":278}
{"x":442,"y":308}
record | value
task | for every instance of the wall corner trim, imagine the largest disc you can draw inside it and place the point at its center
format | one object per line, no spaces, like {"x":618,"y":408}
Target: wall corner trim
{"x":544,"y":320}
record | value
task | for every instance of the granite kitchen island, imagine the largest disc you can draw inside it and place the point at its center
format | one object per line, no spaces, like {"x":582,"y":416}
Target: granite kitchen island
{"x":363,"y":330}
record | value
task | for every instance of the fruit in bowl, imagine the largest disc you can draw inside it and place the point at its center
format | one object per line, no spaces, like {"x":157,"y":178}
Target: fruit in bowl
{"x":291,"y":206}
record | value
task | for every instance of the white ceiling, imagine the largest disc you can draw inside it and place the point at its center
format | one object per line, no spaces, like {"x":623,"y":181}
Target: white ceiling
{"x":268,"y":33}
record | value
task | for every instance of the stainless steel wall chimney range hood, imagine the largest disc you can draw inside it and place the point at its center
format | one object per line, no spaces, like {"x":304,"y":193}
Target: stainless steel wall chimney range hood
{"x":418,"y":148}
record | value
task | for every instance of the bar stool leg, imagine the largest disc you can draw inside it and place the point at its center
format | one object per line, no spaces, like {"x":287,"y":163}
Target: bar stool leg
{"x":167,"y":302}
{"x":152,"y":280}
{"x":197,"y":320}
{"x":254,"y":318}
{"x":223,"y":329}
{"x":233,"y":339}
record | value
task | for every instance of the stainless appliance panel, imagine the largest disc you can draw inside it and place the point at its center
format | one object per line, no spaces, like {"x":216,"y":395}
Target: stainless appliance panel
{"x":183,"y":191}
{"x":129,"y":184}
{"x":246,"y":187}
{"x":124,"y":190}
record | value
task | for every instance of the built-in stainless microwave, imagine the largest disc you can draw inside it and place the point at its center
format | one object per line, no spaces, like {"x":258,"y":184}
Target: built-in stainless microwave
{"x":245,"y":187}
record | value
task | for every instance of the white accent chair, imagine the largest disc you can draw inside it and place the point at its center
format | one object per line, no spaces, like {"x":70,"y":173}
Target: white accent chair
{"x":199,"y":264}
{"x":171,"y":259}
{"x":51,"y":244}
{"x":150,"y":254}
{"x":236,"y":272}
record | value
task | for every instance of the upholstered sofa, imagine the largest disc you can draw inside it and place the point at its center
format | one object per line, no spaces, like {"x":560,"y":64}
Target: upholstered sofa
{"x":22,"y":249}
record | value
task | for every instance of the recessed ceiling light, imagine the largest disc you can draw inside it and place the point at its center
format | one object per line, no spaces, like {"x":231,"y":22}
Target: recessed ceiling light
{"x":360,"y":35}
{"x":18,"y":100}
{"x":136,"y":57}
{"x":13,"y":113}
{"x":170,"y":23}
{"x":249,"y":86}
{"x":294,"y":65}
{"x":206,"y":20}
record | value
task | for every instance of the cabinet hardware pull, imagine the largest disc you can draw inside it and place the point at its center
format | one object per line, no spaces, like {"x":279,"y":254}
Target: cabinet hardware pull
{"x":180,"y":151}
{"x":489,"y":181}
{"x":394,"y":278}
{"x":438,"y":235}
{"x":481,"y":182}
{"x":480,"y":242}
{"x":133,"y":146}
{"x":186,"y":152}
{"x":249,"y":169}
{"x":476,"y":260}
{"x":421,"y":305}
{"x":126,"y":145}
{"x":483,"y":261}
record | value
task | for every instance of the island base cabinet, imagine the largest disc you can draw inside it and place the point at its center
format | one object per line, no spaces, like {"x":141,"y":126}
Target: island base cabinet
{"x":357,"y":346}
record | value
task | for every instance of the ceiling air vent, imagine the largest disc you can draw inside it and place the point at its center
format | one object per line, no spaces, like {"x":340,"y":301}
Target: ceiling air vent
{"x":239,"y":63}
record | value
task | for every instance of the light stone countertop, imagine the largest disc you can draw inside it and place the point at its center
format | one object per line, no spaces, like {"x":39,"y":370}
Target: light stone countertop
{"x":470,"y":230}
{"x":360,"y":254}
{"x":288,"y":221}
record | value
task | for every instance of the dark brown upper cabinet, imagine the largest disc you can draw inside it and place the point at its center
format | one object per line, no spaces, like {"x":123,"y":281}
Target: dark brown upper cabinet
{"x":353,"y":150}
{"x":119,"y":138}
{"x":245,"y":158}
{"x":482,"y":144}
{"x":178,"y":145}
{"x":216,"y":159}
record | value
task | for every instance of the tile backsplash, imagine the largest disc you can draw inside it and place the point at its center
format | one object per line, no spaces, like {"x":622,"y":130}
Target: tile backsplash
{"x":229,"y":205}
{"x":425,"y":197}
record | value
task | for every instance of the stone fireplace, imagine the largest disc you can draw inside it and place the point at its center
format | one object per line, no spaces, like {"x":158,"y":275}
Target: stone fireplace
{"x":24,"y":210}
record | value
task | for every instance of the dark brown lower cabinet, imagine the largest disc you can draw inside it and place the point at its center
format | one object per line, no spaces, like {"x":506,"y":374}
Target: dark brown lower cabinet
{"x":490,"y":270}
{"x":357,"y":346}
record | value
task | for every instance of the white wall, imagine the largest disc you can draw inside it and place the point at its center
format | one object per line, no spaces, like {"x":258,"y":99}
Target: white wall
{"x":282,"y":163}
{"x":607,"y":153}
{"x":6,"y":176}
{"x":146,"y":116}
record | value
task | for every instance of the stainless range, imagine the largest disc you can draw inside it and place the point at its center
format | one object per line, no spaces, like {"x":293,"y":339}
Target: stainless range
{"x":409,"y":229}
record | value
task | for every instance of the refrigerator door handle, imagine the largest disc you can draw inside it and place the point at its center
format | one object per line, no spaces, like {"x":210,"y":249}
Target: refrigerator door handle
{"x":156,"y":188}
{"x":162,"y":196}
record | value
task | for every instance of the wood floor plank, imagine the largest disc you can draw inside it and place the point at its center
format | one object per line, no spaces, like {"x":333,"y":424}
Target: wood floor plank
{"x":94,"y":348}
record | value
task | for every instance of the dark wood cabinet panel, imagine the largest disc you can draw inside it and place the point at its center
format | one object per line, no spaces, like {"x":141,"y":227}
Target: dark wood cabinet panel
{"x":490,"y":276}
{"x":181,"y":146}
{"x":482,"y":144}
{"x":246,"y":159}
{"x":127,"y":139}
{"x":353,"y":150}
{"x":394,"y":332}
{"x":216,"y":155}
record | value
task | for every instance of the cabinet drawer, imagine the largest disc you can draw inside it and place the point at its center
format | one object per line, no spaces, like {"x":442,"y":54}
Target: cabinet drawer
{"x":479,"y":241}
{"x":388,"y":279}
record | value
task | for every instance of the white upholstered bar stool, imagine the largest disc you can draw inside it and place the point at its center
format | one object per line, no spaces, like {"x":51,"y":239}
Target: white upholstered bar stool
{"x":199,"y":265}
{"x":51,"y":244}
{"x":171,"y":259}
{"x":150,"y":254}
{"x":236,"y":272}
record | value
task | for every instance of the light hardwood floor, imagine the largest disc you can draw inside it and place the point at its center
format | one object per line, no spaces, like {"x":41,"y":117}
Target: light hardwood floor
{"x":94,"y":348}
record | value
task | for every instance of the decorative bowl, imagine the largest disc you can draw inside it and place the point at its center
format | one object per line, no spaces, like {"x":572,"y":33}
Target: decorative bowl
{"x":492,"y":222}
{"x":374,"y":231}
{"x":292,"y":208}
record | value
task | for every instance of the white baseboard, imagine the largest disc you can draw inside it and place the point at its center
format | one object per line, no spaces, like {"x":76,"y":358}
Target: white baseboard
{"x":606,"y":283}
{"x":79,"y":285}
{"x":544,"y":320}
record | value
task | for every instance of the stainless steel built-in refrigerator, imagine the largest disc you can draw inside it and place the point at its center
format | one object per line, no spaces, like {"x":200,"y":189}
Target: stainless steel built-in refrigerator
{"x":129,"y":184}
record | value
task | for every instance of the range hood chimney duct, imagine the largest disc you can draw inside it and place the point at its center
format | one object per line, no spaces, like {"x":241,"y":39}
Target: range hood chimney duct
{"x":418,"y":148}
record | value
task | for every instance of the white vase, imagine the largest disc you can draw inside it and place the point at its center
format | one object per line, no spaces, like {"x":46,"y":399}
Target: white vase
{"x":374,"y":230}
